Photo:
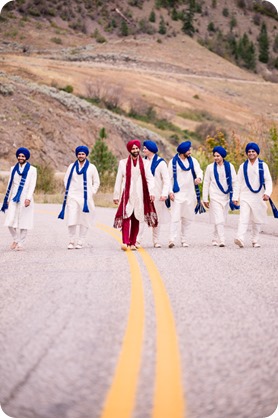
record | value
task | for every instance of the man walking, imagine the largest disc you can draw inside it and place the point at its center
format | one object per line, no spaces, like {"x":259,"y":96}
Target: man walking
{"x":219,"y":181}
{"x":81,"y":183}
{"x":19,"y":199}
{"x":159,"y":170}
{"x":185,"y":176}
{"x":134,"y":193}
{"x":254,"y":189}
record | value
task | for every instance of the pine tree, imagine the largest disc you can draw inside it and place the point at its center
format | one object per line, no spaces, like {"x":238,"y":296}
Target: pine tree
{"x":263,"y":44}
{"x":162,"y":27}
{"x":103,"y":159}
{"x":188,"y":20}
{"x":246,"y":53}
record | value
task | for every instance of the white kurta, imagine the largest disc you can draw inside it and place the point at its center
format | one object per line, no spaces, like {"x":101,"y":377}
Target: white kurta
{"x":135,"y":202}
{"x":185,"y":200}
{"x":219,"y":201}
{"x":19,"y":216}
{"x":257,"y":205}
{"x":75,"y":201}
{"x":161,"y":188}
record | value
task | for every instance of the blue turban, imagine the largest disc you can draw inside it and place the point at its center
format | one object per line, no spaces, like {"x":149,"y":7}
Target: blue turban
{"x":82,"y":148}
{"x":253,"y":146}
{"x":23,"y":151}
{"x":184,"y":147}
{"x":151,"y":146}
{"x":220,"y":151}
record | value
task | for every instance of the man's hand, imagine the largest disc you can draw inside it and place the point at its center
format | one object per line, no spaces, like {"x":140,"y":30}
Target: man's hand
{"x":116,"y":201}
{"x":198,"y":181}
{"x":206,"y":204}
{"x":265,"y":197}
{"x":152,"y":198}
{"x":172,"y":196}
{"x":236,"y":202}
{"x":163,"y":198}
{"x":27,"y":202}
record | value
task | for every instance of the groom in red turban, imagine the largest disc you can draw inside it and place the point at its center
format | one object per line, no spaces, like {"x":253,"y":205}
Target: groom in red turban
{"x":134,"y":193}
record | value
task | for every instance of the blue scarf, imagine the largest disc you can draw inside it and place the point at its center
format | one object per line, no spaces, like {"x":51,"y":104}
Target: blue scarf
{"x":20,"y":187}
{"x":155,"y":162}
{"x":229,"y":190}
{"x":261,"y":176}
{"x":262,"y":184}
{"x":199,"y":207}
{"x":79,"y":172}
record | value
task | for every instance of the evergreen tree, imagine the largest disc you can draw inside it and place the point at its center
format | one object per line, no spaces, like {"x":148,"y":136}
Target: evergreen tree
{"x":246,"y":53}
{"x":263,"y":44}
{"x":162,"y":27}
{"x":152,"y":17}
{"x":103,"y":159}
{"x":124,"y":28}
{"x":188,"y":20}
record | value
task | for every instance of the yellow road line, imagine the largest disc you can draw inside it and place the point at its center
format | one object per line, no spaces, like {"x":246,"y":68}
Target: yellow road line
{"x":168,"y":397}
{"x":121,"y":397}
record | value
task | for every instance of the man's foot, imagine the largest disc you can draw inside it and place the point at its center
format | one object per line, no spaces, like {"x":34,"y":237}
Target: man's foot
{"x":133,"y":247}
{"x":71,"y":246}
{"x":184,"y":244}
{"x":171,"y":244}
{"x":214,"y":243}
{"x":79,"y":245}
{"x":256,"y":245}
{"x":157,"y":245}
{"x":19,"y":247}
{"x":13,"y":246}
{"x":124,"y":247}
{"x":222,"y":244}
{"x":238,"y":242}
{"x":137,"y":244}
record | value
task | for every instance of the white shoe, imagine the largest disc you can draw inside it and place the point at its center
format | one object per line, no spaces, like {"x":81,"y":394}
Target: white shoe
{"x":133,"y":247}
{"x":256,"y":245}
{"x":239,"y":243}
{"x":222,"y":244}
{"x":79,"y":245}
{"x":124,"y":247}
{"x":214,"y":243}
{"x":19,"y":247}
{"x":184,"y":244}
{"x":157,"y":245}
{"x":137,"y":244}
{"x":71,"y":246}
{"x":171,"y":244}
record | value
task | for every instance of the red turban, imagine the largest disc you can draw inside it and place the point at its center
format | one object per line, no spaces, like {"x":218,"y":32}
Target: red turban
{"x":130,"y":144}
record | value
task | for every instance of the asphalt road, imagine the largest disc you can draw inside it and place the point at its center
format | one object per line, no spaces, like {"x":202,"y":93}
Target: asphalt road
{"x":157,"y":333}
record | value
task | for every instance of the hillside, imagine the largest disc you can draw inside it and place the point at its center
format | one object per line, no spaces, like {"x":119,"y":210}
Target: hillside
{"x":162,"y":87}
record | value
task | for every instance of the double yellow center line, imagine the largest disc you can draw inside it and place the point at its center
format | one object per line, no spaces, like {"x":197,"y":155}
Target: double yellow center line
{"x":168,"y":399}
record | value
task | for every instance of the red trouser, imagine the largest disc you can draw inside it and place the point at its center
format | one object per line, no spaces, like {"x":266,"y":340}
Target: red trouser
{"x":130,"y":229}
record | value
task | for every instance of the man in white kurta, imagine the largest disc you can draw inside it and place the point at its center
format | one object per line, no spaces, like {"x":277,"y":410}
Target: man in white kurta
{"x":159,"y":170}
{"x":138,"y":187}
{"x":80,"y":207}
{"x":20,"y":213}
{"x":183,"y":202}
{"x":253,"y":191}
{"x":214,"y":198}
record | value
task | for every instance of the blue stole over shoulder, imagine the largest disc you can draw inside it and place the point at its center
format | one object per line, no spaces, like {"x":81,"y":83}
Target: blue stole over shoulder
{"x":83,"y":171}
{"x":199,"y":207}
{"x":20,"y":187}
{"x":229,"y":190}
{"x":155,"y":162}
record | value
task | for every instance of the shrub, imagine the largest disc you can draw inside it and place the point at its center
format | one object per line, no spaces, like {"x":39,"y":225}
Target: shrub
{"x":46,"y":178}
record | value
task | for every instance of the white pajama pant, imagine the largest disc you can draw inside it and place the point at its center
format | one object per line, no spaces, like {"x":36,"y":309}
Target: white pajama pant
{"x":244,"y":218}
{"x":185,"y":226}
{"x":73,"y":232}
{"x":155,"y":233}
{"x":19,"y":235}
{"x":218,"y":233}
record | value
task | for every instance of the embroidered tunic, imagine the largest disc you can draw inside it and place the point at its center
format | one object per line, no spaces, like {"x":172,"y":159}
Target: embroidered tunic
{"x":186,"y":197}
{"x":75,"y":201}
{"x":219,"y":201}
{"x":254,"y":200}
{"x":19,"y":216}
{"x":135,"y":203}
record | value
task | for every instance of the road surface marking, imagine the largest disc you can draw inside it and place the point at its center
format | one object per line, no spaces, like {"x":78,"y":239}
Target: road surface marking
{"x":168,"y":393}
{"x":121,"y":397}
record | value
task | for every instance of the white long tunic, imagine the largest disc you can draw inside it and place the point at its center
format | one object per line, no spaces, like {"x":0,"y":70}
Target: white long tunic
{"x":135,"y":202}
{"x":19,"y":216}
{"x":75,"y":201}
{"x":219,"y":201}
{"x":161,"y":188}
{"x":186,"y":197}
{"x":255,"y":200}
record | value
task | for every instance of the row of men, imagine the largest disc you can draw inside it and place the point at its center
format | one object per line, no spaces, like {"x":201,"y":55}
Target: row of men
{"x":143,"y":187}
